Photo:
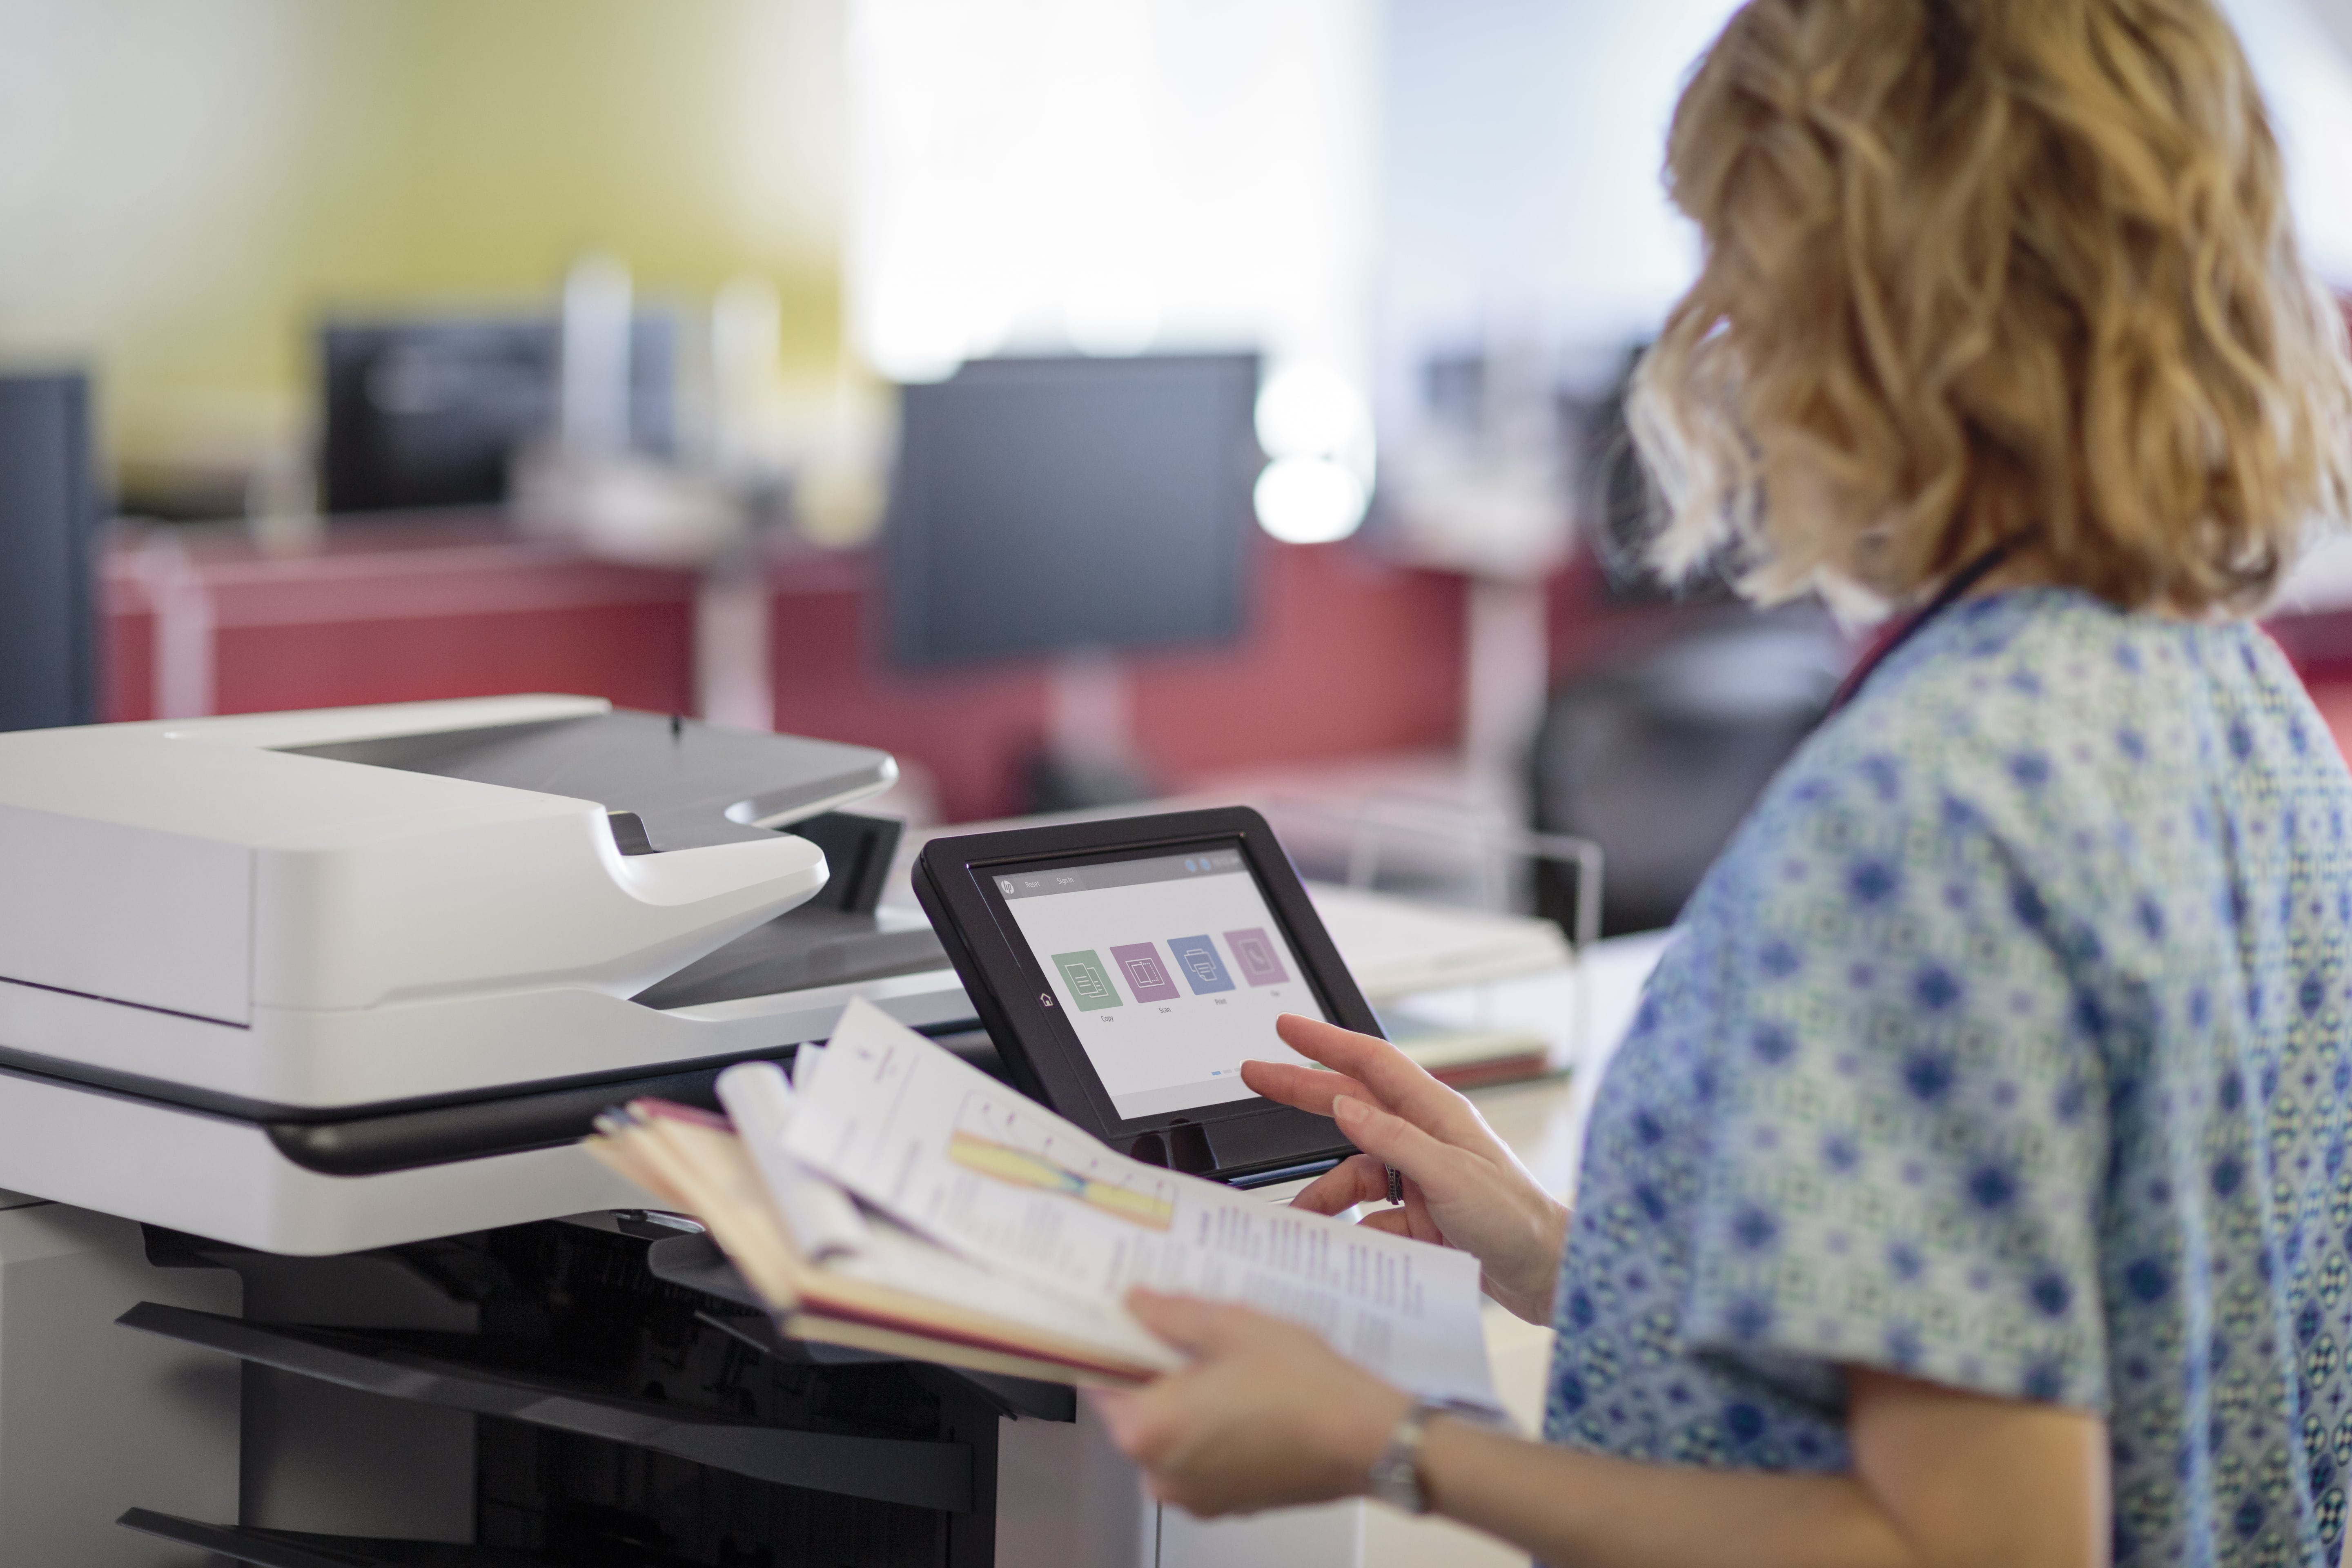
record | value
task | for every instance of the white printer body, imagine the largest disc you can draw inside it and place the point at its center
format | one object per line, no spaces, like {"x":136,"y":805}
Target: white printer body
{"x":322,"y":981}
{"x":334,"y":982}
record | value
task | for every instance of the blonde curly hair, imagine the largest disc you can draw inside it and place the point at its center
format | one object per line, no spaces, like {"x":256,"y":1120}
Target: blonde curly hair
{"x":1982,"y":272}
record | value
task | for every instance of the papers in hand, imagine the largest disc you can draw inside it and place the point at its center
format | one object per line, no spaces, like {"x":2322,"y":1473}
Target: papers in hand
{"x":895,"y":1193}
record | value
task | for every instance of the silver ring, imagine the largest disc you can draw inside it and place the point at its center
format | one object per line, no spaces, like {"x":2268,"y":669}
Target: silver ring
{"x":1396,"y":1185}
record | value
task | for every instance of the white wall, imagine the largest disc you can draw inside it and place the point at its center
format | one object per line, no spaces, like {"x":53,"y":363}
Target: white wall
{"x":2302,"y":53}
{"x":1522,"y":141}
{"x":1519,"y":171}
{"x":1108,"y":175}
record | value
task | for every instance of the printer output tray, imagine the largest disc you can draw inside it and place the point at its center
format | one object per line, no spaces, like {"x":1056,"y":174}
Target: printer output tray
{"x":309,"y":1180}
{"x":311,"y":1188}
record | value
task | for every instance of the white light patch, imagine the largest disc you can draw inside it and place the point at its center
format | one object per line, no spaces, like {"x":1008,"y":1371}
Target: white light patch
{"x":1309,"y":501}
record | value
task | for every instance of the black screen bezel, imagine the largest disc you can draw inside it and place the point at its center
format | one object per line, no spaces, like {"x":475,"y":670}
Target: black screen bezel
{"x":955,"y":879}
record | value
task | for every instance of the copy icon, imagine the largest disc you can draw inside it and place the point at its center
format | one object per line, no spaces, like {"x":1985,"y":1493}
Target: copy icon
{"x":1147,"y":977}
{"x":1203,"y":970}
{"x":1089,"y":982}
{"x":1254,"y":952}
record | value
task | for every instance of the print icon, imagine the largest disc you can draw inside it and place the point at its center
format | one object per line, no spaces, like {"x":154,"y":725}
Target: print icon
{"x":1253,"y":951}
{"x":1203,"y":970}
{"x":1147,"y":977}
{"x":1089,"y":983}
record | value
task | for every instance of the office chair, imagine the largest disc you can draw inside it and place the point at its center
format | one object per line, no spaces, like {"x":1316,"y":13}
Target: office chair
{"x":1658,"y":759}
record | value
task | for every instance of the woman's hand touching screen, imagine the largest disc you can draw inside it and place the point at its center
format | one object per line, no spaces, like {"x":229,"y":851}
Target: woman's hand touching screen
{"x":1463,"y":1186}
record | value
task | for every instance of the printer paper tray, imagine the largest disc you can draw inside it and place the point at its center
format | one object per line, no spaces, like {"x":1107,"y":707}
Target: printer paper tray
{"x":923,"y":1473}
{"x":301,"y":1549}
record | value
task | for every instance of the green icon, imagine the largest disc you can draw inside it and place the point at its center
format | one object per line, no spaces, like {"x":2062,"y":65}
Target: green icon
{"x":1088,"y":980}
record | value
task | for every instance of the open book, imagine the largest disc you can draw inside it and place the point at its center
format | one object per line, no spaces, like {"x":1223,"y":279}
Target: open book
{"x":893,"y":1198}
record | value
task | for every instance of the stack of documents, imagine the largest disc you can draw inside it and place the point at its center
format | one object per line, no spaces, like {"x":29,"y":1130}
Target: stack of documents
{"x":1398,"y":947}
{"x":1468,"y":1055}
{"x":894,"y":1198}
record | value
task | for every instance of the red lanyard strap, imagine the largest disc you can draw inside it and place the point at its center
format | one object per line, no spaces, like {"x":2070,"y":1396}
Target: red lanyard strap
{"x":1887,"y":641}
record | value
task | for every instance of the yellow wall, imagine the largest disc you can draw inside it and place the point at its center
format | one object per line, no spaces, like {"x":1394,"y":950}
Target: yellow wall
{"x":186,"y":186}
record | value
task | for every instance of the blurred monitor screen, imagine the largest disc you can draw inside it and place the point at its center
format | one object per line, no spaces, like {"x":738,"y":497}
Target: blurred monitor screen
{"x":428,"y":413}
{"x":1047,"y":504}
{"x":48,"y":515}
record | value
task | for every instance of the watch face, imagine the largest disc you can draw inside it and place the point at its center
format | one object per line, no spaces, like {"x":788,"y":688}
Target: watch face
{"x":1398,"y":1484}
{"x":1396,"y":1474}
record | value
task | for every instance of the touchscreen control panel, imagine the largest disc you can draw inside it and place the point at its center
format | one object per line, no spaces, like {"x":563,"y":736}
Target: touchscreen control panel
{"x":1169,"y":967}
{"x":1126,"y":967}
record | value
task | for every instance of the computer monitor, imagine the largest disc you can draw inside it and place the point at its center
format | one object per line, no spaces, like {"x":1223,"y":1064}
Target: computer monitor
{"x":1047,"y":505}
{"x":49,"y":516}
{"x":428,"y":413}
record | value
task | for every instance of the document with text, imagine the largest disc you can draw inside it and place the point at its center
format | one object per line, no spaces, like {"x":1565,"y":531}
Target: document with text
{"x":890,"y":1197}
{"x":985,"y":1171}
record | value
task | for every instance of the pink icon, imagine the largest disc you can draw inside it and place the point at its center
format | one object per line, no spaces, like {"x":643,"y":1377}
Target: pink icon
{"x":1254,"y":952}
{"x":1145,"y":975}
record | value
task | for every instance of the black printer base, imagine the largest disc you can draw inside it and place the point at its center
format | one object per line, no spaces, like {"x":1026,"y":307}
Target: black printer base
{"x":615,"y":1414}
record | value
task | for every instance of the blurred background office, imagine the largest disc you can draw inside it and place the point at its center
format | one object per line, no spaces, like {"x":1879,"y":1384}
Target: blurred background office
{"x":1085,"y":400}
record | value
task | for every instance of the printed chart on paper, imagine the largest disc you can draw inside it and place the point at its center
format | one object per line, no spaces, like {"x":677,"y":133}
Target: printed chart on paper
{"x":1012,"y":1145}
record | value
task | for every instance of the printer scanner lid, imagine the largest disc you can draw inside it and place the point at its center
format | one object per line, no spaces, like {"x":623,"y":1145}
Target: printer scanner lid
{"x":344,"y":858}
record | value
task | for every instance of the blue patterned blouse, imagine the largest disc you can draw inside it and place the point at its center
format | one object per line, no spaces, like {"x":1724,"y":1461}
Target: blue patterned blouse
{"x":2009,"y":1046}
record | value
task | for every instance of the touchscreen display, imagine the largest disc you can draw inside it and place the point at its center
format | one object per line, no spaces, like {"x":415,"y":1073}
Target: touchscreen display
{"x":1171,"y":968}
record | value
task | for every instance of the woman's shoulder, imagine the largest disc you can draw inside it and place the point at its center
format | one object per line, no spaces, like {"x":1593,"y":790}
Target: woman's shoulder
{"x":2053,"y":765}
{"x":2040,"y":707}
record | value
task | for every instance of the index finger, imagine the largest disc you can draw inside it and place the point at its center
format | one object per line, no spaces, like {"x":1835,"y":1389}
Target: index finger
{"x":1397,"y":1082}
{"x":1309,"y":1088}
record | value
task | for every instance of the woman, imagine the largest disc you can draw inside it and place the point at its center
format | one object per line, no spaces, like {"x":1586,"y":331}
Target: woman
{"x":1972,"y":1186}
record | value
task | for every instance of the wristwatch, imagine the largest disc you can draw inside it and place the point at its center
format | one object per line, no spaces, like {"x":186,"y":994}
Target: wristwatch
{"x":1396,"y":1474}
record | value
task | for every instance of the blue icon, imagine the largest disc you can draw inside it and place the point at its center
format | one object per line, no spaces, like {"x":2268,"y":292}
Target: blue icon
{"x":1203,"y":970}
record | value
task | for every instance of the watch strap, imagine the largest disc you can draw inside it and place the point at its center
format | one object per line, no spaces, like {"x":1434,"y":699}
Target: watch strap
{"x":1395,"y":1476}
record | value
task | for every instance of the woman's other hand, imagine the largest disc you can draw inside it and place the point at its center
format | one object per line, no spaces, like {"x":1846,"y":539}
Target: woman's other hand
{"x":1463,"y":1186}
{"x":1266,"y":1415}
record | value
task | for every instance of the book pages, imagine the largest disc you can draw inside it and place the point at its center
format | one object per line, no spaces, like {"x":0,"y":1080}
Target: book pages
{"x":823,"y":1218}
{"x":987,"y":1172}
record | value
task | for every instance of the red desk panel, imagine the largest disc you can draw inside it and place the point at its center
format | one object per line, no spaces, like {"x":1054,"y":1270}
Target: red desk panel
{"x":1345,"y":655}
